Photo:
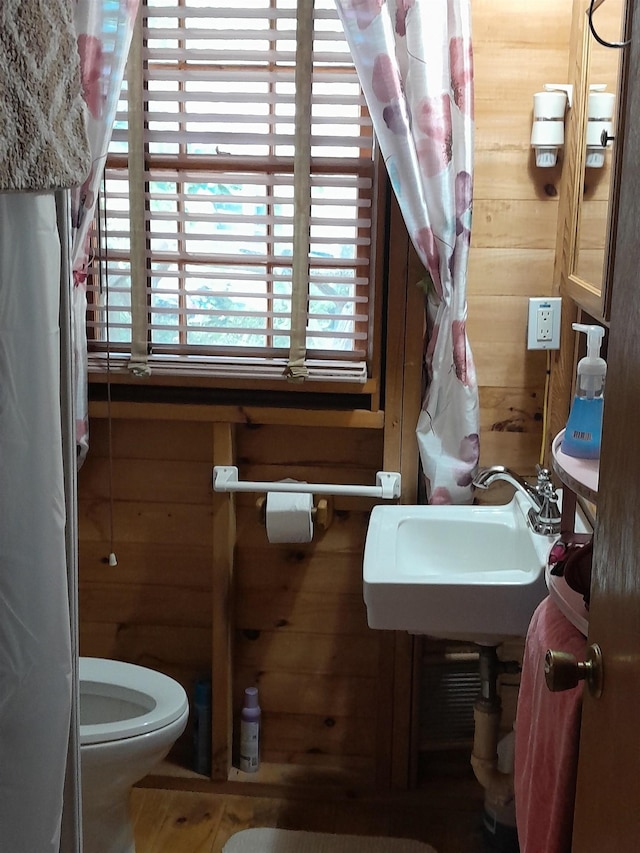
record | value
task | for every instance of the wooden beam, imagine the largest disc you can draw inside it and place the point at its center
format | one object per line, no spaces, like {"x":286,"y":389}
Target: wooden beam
{"x":224,"y":535}
{"x":250,"y":415}
{"x":405,"y":314}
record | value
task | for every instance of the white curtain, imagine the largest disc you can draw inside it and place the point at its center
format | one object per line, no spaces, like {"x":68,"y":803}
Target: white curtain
{"x":40,"y":70}
{"x":35,"y":642}
{"x":414,"y":61}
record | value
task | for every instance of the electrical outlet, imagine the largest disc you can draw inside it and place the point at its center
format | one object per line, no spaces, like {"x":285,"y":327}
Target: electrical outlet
{"x":544,"y":324}
{"x":543,"y":330}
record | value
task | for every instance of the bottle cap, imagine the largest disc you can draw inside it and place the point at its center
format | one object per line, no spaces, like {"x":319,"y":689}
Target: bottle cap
{"x":594,"y":334}
{"x":251,"y":697}
{"x":591,"y":369}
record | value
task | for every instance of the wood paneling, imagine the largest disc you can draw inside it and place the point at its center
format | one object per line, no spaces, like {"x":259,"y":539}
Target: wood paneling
{"x":287,"y":618}
{"x":508,"y":272}
{"x":302,"y":635}
{"x":515,"y":224}
{"x":142,"y":521}
{"x":145,"y":562}
{"x":127,"y":603}
{"x":152,"y":507}
{"x":222,"y":606}
{"x":517,"y":48}
{"x":333,"y":735}
{"x":502,"y":172}
{"x":309,"y":450}
{"x":302,"y":612}
{"x":199,"y":415}
{"x":327,"y":655}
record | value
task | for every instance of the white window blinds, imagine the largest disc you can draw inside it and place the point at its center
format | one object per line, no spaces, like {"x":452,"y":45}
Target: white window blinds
{"x":236,"y":222}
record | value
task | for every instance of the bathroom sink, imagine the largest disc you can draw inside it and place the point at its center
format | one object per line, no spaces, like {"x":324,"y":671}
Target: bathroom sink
{"x":472,"y":573}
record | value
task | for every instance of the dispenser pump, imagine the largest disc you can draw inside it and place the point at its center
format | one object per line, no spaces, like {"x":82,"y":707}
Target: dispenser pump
{"x":583,"y":433}
{"x":591,"y":369}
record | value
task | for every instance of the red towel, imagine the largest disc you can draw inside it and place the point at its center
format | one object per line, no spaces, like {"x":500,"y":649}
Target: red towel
{"x":547,"y":735}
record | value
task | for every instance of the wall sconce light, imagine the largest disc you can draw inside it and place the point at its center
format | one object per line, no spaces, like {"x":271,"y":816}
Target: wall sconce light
{"x":599,"y":124}
{"x":547,"y":132}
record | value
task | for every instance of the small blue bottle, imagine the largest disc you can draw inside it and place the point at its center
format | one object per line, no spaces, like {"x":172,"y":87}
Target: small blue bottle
{"x":583,"y":434}
{"x":202,"y":727}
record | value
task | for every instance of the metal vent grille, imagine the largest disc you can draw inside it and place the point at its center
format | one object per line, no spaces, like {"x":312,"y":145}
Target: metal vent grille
{"x":449,"y":685}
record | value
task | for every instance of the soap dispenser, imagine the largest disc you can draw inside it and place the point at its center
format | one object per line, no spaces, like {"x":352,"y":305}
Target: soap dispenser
{"x":584,"y":428}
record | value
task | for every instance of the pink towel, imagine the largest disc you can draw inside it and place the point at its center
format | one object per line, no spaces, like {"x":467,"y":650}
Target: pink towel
{"x":547,"y":734}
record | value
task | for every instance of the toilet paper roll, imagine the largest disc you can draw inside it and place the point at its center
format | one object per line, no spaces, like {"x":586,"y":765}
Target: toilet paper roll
{"x":288,"y":517}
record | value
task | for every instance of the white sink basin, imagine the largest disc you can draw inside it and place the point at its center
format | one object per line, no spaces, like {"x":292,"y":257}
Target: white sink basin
{"x":473,"y":573}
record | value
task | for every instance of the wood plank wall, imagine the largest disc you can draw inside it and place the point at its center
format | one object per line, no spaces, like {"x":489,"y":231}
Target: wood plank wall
{"x":154,"y":607}
{"x":300,"y":623}
{"x":518,"y":47}
{"x":302,"y":636}
{"x":326,"y":681}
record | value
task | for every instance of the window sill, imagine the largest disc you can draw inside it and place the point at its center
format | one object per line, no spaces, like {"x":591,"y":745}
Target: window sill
{"x":189,"y":394}
{"x":325,"y":377}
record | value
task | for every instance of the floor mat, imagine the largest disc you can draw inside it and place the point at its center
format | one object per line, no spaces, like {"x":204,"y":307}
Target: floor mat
{"x":289,"y":841}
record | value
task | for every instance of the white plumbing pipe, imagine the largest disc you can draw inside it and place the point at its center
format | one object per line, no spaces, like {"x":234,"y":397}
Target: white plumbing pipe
{"x":484,"y":758}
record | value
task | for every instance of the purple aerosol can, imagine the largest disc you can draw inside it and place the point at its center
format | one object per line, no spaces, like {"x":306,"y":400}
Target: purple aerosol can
{"x":250,"y":731}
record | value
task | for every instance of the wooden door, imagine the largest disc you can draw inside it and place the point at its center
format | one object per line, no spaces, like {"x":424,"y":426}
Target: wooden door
{"x":607,"y":816}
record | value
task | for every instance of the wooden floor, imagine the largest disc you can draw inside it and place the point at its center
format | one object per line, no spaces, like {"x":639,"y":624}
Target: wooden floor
{"x":445,"y":812}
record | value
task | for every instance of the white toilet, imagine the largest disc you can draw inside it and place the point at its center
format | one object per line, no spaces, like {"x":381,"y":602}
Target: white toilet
{"x":130,"y":717}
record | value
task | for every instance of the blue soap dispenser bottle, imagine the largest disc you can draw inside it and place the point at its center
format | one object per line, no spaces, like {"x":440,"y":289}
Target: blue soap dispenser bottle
{"x":583,"y":433}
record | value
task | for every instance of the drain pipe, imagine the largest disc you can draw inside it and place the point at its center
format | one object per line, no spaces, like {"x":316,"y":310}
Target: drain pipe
{"x":487,"y":712}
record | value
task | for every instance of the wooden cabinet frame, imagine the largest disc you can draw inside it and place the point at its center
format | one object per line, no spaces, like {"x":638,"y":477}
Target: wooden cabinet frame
{"x":580,"y":296}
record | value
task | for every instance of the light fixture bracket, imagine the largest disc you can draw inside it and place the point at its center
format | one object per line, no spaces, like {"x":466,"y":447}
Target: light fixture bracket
{"x":567,"y":88}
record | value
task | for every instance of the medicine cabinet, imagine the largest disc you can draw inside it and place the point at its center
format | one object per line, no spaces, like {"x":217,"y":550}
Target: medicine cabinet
{"x":590,"y":193}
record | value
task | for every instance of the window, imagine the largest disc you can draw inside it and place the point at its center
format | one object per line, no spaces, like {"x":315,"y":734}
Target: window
{"x":203,"y":164}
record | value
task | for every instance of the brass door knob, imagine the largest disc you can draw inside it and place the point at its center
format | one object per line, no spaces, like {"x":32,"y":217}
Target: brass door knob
{"x":562,"y":671}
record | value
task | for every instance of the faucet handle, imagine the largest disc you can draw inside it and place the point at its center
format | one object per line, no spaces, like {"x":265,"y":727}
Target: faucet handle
{"x":548,"y":519}
{"x":544,"y":485}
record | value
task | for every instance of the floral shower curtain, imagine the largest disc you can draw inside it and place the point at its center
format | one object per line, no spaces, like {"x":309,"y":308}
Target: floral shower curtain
{"x":104,"y":29}
{"x":414,"y":60}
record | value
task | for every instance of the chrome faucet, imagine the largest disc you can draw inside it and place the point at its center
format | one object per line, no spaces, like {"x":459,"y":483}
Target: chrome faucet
{"x":544,"y":515}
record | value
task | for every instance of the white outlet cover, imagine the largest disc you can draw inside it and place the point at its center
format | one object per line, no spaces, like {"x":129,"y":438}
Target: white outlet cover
{"x":552,"y":303}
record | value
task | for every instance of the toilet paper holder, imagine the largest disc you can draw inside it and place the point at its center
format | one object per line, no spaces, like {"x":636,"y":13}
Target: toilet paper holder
{"x":322,"y":512}
{"x":388,"y":485}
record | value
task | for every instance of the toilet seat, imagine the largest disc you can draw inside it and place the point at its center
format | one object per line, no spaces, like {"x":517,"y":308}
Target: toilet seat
{"x":138,"y":700}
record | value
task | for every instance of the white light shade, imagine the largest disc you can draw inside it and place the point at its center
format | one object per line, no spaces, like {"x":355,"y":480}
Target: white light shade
{"x":547,"y":132}
{"x":549,"y":105}
{"x":599,"y":114}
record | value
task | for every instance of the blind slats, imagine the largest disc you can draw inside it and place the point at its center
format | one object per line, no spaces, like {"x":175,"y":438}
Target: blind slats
{"x":217,"y":190}
{"x":264,"y":261}
{"x":257,"y":75}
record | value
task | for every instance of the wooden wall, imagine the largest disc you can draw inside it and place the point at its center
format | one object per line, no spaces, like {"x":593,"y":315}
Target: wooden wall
{"x":155,"y":607}
{"x":518,"y":47}
{"x":298,"y":617}
{"x":301,"y":625}
{"x":333,"y":692}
